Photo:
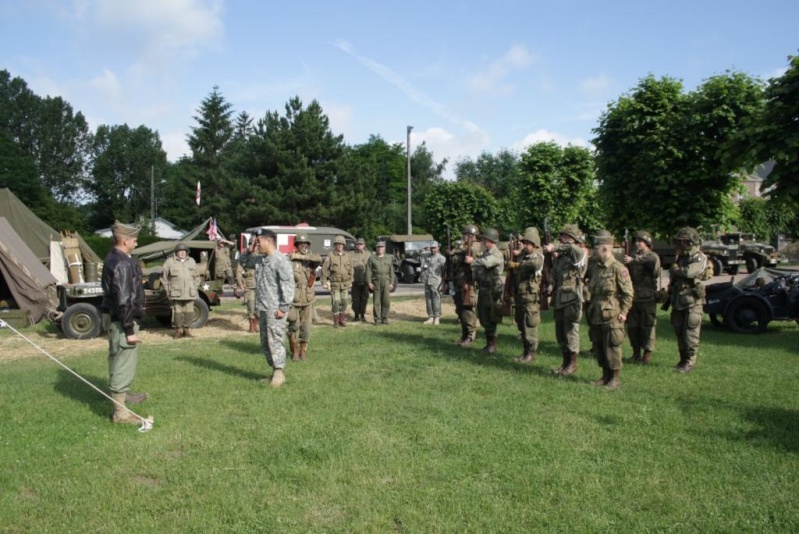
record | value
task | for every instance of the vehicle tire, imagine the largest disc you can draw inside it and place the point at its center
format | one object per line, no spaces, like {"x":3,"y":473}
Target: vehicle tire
{"x":200,"y":313}
{"x":733,"y":269}
{"x":408,"y":274}
{"x":747,"y":316}
{"x":718,"y":268}
{"x":716,"y":319}
{"x":82,"y":321}
{"x":752,"y":264}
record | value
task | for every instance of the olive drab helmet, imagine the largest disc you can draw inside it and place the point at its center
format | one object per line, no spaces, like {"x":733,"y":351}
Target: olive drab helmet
{"x":603,"y":237}
{"x":470,"y":229}
{"x":302,"y":238}
{"x":490,"y":234}
{"x":531,"y":235}
{"x":181,"y":246}
{"x":572,"y":231}
{"x":688,"y":234}
{"x":643,"y":236}
{"x":339,"y":240}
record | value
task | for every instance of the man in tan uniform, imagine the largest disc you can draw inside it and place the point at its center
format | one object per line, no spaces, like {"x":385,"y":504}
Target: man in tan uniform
{"x":465,"y":285}
{"x":180,"y":278}
{"x":337,"y":272}
{"x":360,"y":284}
{"x":245,"y":278}
{"x":487,"y":270}
{"x":303,"y":264}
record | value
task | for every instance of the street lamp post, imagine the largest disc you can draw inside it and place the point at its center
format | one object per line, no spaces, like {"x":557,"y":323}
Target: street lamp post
{"x":410,"y":223}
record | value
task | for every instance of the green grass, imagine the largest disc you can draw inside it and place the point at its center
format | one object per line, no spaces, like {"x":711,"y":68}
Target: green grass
{"x":396,"y":429}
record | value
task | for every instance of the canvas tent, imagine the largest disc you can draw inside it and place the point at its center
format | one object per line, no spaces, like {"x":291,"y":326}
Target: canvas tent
{"x":34,"y":231}
{"x":23,"y":278}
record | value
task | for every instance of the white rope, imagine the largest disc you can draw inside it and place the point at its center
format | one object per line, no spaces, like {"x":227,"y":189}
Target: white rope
{"x":146,"y":423}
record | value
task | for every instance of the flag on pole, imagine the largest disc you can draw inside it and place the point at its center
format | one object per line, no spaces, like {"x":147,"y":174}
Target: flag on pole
{"x":197,"y":197}
{"x":213,"y":231}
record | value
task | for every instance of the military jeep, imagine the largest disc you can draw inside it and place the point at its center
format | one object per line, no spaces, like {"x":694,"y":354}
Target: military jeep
{"x":753,"y":253}
{"x":406,"y":254}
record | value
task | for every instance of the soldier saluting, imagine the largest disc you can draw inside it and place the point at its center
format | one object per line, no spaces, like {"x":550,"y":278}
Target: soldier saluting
{"x":645,"y":271}
{"x":486,"y":270}
{"x":303,"y":264}
{"x":465,"y":293}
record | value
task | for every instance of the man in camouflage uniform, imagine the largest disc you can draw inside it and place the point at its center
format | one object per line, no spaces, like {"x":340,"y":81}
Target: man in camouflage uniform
{"x":245,"y":277}
{"x":360,"y":284}
{"x":304,"y":264}
{"x":465,"y":288}
{"x":179,"y":278}
{"x":687,"y":296}
{"x":487,"y":269}
{"x":274,"y":293}
{"x":645,"y":274}
{"x":611,"y":292}
{"x":382,"y":279}
{"x":337,"y":272}
{"x":526,"y":265}
{"x":568,"y":269}
{"x":432,"y":273}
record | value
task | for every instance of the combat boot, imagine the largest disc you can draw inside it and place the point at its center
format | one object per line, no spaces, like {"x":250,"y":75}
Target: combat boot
{"x":563,"y":365}
{"x":614,"y":382}
{"x":527,"y":357}
{"x":636,"y":357}
{"x":606,"y":375}
{"x":278,"y":378}
{"x":295,"y":349}
{"x":121,"y":414}
{"x":187,"y":332}
{"x":491,"y":345}
{"x":335,"y":320}
{"x":342,"y":319}
{"x":682,"y":362}
{"x":646,"y":359}
{"x":436,"y":321}
{"x":303,"y":350}
{"x":571,"y":368}
{"x":178,"y":333}
{"x":429,"y":320}
{"x":135,"y":398}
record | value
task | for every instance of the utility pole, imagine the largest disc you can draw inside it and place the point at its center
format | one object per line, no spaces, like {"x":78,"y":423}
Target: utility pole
{"x":410,"y":223}
{"x":152,"y":198}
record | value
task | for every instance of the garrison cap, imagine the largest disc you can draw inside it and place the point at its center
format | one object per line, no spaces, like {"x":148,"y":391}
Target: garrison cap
{"x":125,"y":230}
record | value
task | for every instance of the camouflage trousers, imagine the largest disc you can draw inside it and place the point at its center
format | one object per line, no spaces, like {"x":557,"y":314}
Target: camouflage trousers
{"x":123,"y":358}
{"x":641,"y":323}
{"x":300,"y":320}
{"x":606,"y":344}
{"x":273,"y":335}
{"x":339,"y":297}
{"x":528,"y":317}
{"x":432,"y":300}
{"x":687,"y":325}
{"x":249,"y":302}
{"x":567,"y":327}
{"x":182,"y":313}
{"x":360,"y":298}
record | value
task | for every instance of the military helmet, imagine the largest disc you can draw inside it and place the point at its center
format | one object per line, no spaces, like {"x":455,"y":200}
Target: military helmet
{"x":491,"y":234}
{"x":531,"y":235}
{"x":688,"y":234}
{"x":572,"y":231}
{"x":644,"y":236}
{"x":603,"y":237}
{"x":181,"y":246}
{"x":302,"y":238}
{"x":361,"y":241}
{"x":470,"y":229}
{"x":339,"y":240}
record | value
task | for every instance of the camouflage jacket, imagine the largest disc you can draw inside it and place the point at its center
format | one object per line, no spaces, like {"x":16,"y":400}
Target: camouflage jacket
{"x":274,"y":283}
{"x":432,"y":269}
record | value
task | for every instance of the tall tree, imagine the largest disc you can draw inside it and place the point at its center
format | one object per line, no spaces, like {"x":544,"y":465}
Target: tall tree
{"x":458,"y":204}
{"x":499,"y":174}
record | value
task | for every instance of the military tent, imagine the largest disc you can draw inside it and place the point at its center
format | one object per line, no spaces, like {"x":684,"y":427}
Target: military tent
{"x":23,"y":279}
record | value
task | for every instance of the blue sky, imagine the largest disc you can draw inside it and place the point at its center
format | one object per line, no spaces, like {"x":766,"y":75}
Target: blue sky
{"x":469,"y":76}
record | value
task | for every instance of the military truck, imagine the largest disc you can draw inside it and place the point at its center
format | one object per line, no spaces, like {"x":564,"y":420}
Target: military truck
{"x":723,"y":256}
{"x":753,"y":253}
{"x":406,"y":254}
{"x":79,"y":304}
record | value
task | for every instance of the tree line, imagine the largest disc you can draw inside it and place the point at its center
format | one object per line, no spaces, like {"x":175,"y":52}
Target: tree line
{"x":663,"y":158}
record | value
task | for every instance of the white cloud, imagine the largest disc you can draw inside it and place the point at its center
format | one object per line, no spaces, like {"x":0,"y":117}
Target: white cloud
{"x":175,"y":145}
{"x":541,"y":136}
{"x":445,"y":144}
{"x":493,"y":78}
{"x":596,"y":87}
{"x":107,"y":85}
{"x":340,"y":116}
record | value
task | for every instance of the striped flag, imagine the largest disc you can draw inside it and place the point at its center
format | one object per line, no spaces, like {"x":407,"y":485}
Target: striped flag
{"x":213,"y":231}
{"x":197,"y":197}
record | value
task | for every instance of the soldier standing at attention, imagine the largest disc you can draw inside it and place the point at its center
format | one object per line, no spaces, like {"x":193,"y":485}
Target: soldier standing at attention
{"x":223,"y":268}
{"x":274,"y":292}
{"x":687,"y":296}
{"x":465,"y":292}
{"x":246,"y":279}
{"x":645,"y":273}
{"x":432,"y":274}
{"x":179,"y":277}
{"x":487,"y":269}
{"x":360,"y":284}
{"x":380,"y":273}
{"x":122,"y":308}
{"x":611,"y":293}
{"x":527,"y":265}
{"x":568,"y":270}
{"x":337,"y":272}
{"x":304,"y":265}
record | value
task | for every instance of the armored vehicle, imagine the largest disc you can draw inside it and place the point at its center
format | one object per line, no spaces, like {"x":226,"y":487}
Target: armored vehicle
{"x":406,"y":254}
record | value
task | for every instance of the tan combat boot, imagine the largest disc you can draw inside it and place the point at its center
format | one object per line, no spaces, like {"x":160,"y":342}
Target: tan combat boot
{"x":614,"y":382}
{"x":429,"y":320}
{"x":571,"y":368}
{"x":121,"y":414}
{"x":606,"y":375}
{"x":187,"y":332}
{"x":278,"y":378}
{"x":436,"y":320}
{"x":295,"y":349}
{"x":646,"y":359}
{"x":135,"y":398}
{"x":303,"y":350}
{"x":178,"y":333}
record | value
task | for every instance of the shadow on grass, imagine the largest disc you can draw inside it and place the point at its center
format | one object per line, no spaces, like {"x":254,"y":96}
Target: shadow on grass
{"x":778,"y":427}
{"x":222,"y":367}
{"x":71,"y":387}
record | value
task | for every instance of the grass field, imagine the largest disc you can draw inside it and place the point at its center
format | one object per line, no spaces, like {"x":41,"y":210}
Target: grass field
{"x":396,"y":429}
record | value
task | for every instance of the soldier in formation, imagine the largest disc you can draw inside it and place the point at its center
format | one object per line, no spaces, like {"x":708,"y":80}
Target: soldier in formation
{"x":179,"y":278}
{"x":223,"y":267}
{"x":687,"y":295}
{"x":487,"y":270}
{"x":433,"y":265}
{"x":382,"y":279}
{"x":465,"y":289}
{"x":526,"y":264}
{"x":568,"y":270}
{"x":337,"y":273}
{"x":274,"y":291}
{"x":245,"y":277}
{"x":611,"y":297}
{"x":303,"y":264}
{"x":360,"y":284}
{"x":645,"y":273}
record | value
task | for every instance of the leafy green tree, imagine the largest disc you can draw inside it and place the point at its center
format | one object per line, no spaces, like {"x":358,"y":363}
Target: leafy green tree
{"x":458,"y":204}
{"x":659,"y":156}
{"x":500,"y":175}
{"x":426,"y":172}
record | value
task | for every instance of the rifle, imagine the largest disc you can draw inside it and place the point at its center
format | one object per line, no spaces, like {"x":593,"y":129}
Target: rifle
{"x":312,"y":277}
{"x":507,"y":291}
{"x":626,"y":242}
{"x":448,"y":284}
{"x":469,"y":283}
{"x":546,"y":271}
